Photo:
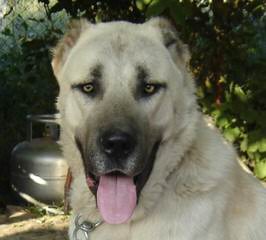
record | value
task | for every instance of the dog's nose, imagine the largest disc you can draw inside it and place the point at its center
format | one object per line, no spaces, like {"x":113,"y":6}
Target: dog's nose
{"x":117,"y":145}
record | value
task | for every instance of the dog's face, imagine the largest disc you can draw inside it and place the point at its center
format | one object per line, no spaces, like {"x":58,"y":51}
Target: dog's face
{"x":121,"y":91}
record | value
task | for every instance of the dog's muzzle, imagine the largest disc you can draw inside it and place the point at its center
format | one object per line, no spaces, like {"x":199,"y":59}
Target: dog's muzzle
{"x":117,"y":168}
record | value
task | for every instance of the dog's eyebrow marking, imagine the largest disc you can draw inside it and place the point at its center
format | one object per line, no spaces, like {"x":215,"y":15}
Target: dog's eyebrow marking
{"x":142,"y":74}
{"x":96,"y":72}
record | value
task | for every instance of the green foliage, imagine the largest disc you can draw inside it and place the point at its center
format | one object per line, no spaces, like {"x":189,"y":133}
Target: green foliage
{"x":227,"y":41}
{"x":98,"y":10}
{"x":27,"y":86}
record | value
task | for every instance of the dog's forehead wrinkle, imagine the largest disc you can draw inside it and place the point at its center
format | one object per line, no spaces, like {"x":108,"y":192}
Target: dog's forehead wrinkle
{"x":118,"y":43}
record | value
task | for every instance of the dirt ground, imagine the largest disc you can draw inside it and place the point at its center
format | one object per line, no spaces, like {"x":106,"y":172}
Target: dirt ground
{"x":21,"y":224}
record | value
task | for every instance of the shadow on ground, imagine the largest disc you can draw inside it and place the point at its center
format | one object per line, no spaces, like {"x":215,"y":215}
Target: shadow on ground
{"x":38,"y":234}
{"x":20,"y":224}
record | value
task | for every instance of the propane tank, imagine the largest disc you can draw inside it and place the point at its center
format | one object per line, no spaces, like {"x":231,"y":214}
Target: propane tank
{"x":38,"y":169}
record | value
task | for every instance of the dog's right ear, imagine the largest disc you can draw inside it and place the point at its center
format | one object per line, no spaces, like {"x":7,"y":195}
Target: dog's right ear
{"x":61,"y":51}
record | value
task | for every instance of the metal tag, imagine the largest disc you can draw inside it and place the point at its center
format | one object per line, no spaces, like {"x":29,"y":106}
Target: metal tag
{"x":84,"y":228}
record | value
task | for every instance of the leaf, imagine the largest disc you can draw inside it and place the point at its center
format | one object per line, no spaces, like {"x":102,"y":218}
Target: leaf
{"x":244,"y":145}
{"x":253,"y":147}
{"x":231,"y":134}
{"x":147,"y":1}
{"x":157,"y":7}
{"x":240,"y":93}
{"x":262,"y":147}
{"x":260,"y":169}
{"x":222,"y":122}
{"x":256,"y":141}
{"x":141,"y":4}
{"x":216,"y":114}
{"x":98,"y":17}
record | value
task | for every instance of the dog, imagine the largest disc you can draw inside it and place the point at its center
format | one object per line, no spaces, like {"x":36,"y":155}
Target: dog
{"x":146,"y":163}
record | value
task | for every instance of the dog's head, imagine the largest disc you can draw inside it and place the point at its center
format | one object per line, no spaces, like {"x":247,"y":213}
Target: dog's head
{"x":123,"y":91}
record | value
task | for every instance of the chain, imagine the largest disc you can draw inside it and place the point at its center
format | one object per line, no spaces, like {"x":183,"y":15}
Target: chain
{"x":84,"y":227}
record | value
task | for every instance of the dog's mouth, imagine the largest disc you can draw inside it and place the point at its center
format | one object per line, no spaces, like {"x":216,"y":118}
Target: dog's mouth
{"x":93,"y":180}
{"x":117,"y":193}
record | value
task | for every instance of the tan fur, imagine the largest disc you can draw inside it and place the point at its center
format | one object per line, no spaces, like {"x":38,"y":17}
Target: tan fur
{"x":67,"y":42}
{"x":197,"y":190}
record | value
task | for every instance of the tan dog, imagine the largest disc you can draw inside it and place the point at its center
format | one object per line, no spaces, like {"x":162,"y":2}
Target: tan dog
{"x":144,"y":159}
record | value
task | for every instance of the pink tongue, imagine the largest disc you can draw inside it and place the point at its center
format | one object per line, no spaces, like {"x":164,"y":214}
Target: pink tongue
{"x":116,"y":198}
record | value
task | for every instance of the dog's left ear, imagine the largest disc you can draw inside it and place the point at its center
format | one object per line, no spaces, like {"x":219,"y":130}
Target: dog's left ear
{"x":170,"y":38}
{"x":64,"y":46}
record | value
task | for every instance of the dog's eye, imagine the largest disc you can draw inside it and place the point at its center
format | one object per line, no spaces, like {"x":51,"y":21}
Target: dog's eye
{"x":150,"y":89}
{"x":88,"y":88}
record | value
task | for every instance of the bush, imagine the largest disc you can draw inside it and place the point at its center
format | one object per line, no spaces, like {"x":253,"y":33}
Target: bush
{"x":27,"y":87}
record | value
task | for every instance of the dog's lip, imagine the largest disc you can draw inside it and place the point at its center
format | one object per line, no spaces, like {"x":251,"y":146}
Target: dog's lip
{"x":96,"y":178}
{"x":93,"y":180}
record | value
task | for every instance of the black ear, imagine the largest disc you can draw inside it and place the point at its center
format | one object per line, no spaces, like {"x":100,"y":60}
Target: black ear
{"x":170,"y":38}
{"x":62,"y":49}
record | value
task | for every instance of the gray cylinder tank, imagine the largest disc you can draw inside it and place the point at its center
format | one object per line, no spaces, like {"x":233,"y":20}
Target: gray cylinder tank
{"x":38,"y":169}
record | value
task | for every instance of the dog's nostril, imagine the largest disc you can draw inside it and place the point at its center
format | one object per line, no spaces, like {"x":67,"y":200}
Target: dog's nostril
{"x":117,"y":145}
